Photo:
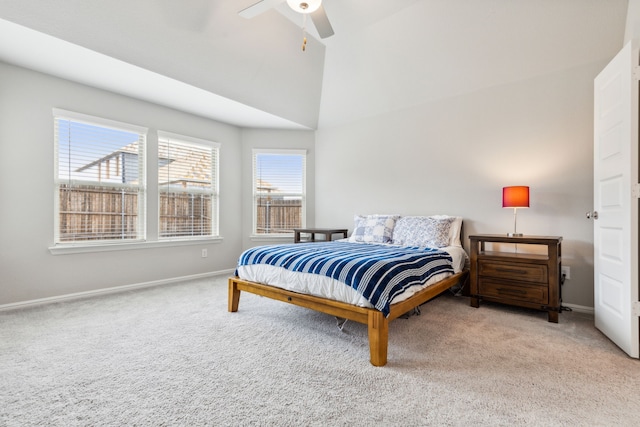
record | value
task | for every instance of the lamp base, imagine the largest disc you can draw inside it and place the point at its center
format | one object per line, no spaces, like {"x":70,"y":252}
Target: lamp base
{"x":515,"y":234}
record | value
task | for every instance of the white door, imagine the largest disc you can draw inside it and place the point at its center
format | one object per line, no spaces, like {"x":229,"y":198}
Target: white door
{"x":616,"y":200}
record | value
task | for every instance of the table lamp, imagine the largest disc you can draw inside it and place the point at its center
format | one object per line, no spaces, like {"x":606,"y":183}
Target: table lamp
{"x":515,"y":197}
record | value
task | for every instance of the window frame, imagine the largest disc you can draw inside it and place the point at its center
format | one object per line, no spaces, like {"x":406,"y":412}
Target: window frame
{"x":215,"y":187}
{"x":149,"y":238}
{"x":254,"y":193}
{"x":60,"y":114}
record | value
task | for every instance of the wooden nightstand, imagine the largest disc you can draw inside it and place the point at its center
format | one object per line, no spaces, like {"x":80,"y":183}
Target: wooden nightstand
{"x":525,"y":280}
{"x":327,"y":232}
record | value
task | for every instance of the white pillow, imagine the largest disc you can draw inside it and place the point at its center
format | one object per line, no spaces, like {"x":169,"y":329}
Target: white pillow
{"x":454,"y":231}
{"x":373,"y":228}
{"x":429,"y":231}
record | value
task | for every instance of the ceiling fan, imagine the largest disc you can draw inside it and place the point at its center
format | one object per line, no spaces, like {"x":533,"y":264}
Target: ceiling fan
{"x":312,"y":8}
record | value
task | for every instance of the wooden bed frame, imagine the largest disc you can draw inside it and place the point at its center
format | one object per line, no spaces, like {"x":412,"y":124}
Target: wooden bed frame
{"x":377,"y":323}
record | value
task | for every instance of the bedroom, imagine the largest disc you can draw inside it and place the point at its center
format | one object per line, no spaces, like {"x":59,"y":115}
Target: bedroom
{"x":467,"y":103}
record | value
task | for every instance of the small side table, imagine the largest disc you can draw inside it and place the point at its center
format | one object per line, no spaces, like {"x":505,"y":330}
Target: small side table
{"x":326,"y":232}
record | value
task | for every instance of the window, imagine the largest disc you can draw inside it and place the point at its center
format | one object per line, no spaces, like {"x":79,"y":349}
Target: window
{"x":279,"y":191}
{"x":188,"y":186}
{"x":100,"y":179}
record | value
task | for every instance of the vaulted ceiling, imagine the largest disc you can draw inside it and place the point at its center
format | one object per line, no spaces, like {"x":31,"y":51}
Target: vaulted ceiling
{"x":200,"y":56}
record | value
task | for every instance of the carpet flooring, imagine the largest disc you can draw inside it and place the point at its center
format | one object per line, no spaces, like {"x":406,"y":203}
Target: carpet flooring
{"x":173,"y":356}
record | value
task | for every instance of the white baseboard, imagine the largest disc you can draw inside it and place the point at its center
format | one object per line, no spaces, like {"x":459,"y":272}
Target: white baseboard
{"x":580,"y":308}
{"x":106,"y":291}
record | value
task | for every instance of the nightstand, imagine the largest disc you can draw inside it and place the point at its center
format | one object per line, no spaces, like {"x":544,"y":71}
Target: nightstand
{"x":521,"y":279}
{"x":326,"y":232}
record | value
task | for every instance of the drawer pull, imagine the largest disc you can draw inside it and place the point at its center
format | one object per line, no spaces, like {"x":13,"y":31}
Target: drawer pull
{"x":512,"y":291}
{"x":511,"y":270}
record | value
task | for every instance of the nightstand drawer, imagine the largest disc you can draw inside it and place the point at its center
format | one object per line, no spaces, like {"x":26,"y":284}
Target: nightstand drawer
{"x":514,"y":271}
{"x":513,"y":291}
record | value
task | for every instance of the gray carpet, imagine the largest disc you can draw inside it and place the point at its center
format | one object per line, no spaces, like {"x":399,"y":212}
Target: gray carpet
{"x":173,"y":355}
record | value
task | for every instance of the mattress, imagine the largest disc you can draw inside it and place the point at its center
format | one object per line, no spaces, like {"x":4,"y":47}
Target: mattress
{"x":327,"y":287}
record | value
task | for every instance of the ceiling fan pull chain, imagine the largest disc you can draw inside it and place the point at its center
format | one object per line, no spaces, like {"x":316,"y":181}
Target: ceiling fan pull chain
{"x":304,"y":32}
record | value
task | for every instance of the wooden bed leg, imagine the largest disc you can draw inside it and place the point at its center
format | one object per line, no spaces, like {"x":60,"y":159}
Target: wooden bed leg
{"x":378,"y":338}
{"x":234,"y":296}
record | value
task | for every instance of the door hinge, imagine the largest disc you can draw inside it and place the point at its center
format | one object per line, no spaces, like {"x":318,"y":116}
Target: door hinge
{"x":635,"y":308}
{"x":635,"y":190}
{"x":636,"y":73}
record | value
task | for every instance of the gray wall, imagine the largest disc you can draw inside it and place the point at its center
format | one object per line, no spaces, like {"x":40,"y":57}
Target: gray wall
{"x":536,"y":132}
{"x":375,"y":151}
{"x":453,"y":156}
{"x":28,"y":270}
{"x":203,"y":43}
{"x":632,"y":29}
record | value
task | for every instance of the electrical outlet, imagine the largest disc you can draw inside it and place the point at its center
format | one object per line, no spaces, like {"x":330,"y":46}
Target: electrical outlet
{"x":204,"y":253}
{"x":566,"y":272}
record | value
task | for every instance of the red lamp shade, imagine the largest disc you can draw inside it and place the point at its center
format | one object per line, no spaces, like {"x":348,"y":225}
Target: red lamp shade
{"x":515,"y":197}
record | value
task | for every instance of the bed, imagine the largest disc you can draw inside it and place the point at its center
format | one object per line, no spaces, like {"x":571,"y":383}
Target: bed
{"x":389,"y":266}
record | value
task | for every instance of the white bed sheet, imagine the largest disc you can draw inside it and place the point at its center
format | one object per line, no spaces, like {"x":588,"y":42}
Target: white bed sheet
{"x":326,"y":287}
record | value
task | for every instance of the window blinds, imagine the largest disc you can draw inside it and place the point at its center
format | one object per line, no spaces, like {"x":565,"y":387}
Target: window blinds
{"x":279,"y":178}
{"x":100,"y":179}
{"x":188,"y":186}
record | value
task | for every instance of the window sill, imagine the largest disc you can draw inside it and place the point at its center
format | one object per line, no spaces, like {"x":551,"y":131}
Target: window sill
{"x":108,"y":247}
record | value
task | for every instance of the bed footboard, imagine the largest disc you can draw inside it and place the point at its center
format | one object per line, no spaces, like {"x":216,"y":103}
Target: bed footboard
{"x":377,"y":323}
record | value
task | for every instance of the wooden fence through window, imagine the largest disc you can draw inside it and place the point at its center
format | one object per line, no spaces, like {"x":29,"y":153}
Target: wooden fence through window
{"x":97,"y":213}
{"x":278,"y":215}
{"x":185,"y":214}
{"x":102,"y":213}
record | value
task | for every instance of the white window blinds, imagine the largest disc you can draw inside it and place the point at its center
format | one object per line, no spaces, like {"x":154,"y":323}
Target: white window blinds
{"x":279,"y":190}
{"x":100,"y":179}
{"x":188,"y":186}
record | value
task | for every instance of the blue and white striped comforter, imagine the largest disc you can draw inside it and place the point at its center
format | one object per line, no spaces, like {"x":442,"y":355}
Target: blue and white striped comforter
{"x":378,"y":272}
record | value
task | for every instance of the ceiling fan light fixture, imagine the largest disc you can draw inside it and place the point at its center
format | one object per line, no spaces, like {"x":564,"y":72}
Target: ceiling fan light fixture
{"x":304,"y":6}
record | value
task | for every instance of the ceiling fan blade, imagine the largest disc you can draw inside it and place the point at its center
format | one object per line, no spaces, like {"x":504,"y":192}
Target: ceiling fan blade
{"x":321,"y":22}
{"x":258,"y":8}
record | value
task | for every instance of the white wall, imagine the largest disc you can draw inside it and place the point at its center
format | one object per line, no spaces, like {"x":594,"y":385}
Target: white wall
{"x":28,"y":270}
{"x":536,"y":132}
{"x":203,"y":43}
{"x":453,"y":156}
{"x":437,"y":49}
{"x":632,"y":29}
{"x":273,"y":139}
